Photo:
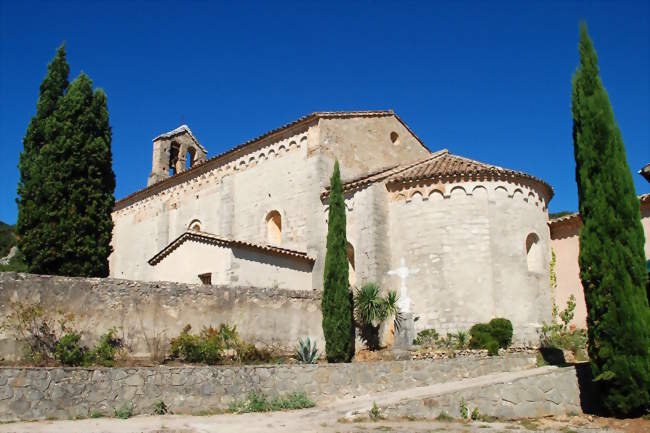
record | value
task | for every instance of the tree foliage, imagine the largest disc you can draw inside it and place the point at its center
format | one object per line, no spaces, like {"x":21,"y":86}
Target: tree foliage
{"x":612,"y":262}
{"x":336,"y":302}
{"x":67,"y":181}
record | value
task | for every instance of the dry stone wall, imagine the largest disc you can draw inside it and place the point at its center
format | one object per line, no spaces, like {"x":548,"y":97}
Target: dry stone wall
{"x":155,"y":311}
{"x":38,"y":393}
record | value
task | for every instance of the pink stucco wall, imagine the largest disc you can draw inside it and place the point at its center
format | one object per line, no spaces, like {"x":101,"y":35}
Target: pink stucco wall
{"x":565,"y":244}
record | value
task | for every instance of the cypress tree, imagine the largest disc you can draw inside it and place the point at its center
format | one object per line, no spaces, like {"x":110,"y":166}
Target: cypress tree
{"x":612,"y":261}
{"x":39,"y":131}
{"x":67,"y":185}
{"x":336,"y":303}
{"x":79,"y":182}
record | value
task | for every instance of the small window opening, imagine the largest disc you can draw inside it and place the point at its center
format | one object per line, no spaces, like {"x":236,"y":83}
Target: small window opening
{"x":189,"y":158}
{"x":206,"y":278}
{"x":394,"y":138}
{"x":173,"y":158}
{"x":534,"y":253}
{"x":274,"y":228}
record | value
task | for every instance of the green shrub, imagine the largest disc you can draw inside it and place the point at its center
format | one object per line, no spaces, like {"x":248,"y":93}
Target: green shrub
{"x":480,"y":335}
{"x":501,"y":330}
{"x":492,"y":347}
{"x":105,"y":352}
{"x":559,"y":335}
{"x":125,"y":411}
{"x":211,"y":346}
{"x":491,"y":336}
{"x":426,"y":337}
{"x":186,"y":347}
{"x":69,"y":351}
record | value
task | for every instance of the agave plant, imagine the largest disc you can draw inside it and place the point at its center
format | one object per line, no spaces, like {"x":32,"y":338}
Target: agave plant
{"x":306,"y":351}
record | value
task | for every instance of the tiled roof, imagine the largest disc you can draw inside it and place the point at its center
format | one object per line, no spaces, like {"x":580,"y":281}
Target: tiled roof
{"x":207,"y":165}
{"x":221,"y":241}
{"x":440,"y":165}
{"x":575,"y":217}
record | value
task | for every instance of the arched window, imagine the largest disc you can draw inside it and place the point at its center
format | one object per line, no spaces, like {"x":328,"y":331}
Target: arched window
{"x":274,"y":228}
{"x":534,"y":253}
{"x":352,"y":274}
{"x":195,"y":226}
{"x":189,"y":159}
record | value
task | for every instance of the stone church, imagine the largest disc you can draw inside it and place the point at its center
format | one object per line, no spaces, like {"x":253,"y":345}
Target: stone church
{"x":462,"y":241}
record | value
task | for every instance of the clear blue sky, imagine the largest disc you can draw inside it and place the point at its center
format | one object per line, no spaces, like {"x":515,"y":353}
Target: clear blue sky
{"x":488,"y":80}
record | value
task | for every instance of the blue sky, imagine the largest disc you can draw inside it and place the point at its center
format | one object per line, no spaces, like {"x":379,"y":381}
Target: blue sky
{"x":487,"y":80}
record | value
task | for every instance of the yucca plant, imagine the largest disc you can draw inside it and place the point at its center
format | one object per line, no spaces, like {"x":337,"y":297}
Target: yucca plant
{"x":462,"y":339}
{"x":306,"y":351}
{"x":371,"y":309}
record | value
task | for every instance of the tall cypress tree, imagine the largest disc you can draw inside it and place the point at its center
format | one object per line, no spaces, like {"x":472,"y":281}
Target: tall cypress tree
{"x":69,"y":200}
{"x":336,"y":303}
{"x":80,"y":182}
{"x":30,"y":214}
{"x":612,"y":260}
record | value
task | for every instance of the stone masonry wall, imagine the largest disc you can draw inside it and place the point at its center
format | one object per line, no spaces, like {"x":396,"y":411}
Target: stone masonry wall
{"x":147,"y":311}
{"x":38,"y":393}
{"x":551,"y":392}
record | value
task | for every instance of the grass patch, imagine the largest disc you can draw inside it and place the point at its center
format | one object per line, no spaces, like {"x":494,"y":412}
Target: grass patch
{"x":444,"y":417}
{"x":124,"y":412}
{"x":96,"y":414}
{"x":529,"y":424}
{"x":260,"y":403}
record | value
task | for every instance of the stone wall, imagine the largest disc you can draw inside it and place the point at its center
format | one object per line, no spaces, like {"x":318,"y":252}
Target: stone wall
{"x":147,"y":311}
{"x":553,"y":391}
{"x":38,"y":393}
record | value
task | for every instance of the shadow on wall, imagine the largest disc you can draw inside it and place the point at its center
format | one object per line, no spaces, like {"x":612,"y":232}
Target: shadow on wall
{"x":272,"y":260}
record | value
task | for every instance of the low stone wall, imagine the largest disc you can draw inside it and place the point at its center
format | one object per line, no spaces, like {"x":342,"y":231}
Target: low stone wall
{"x":38,"y":393}
{"x":150,"y":313}
{"x":554,"y":391}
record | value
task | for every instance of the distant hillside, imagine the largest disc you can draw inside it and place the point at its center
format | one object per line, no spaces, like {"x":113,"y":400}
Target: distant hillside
{"x":7,"y":238}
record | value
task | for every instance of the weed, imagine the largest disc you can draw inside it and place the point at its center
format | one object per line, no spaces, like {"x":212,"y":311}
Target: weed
{"x":374,"y":412}
{"x":160,"y":408}
{"x":475,"y":414}
{"x":125,"y":411}
{"x":462,"y":408}
{"x":96,"y":414}
{"x":259,"y":403}
{"x":529,"y":424}
{"x":444,"y":417}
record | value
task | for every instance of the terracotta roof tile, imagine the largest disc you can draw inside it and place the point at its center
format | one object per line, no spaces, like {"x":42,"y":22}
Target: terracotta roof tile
{"x":439,"y":165}
{"x":222,"y":241}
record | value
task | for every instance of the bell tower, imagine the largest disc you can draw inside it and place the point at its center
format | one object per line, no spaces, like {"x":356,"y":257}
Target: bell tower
{"x":174,"y":152}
